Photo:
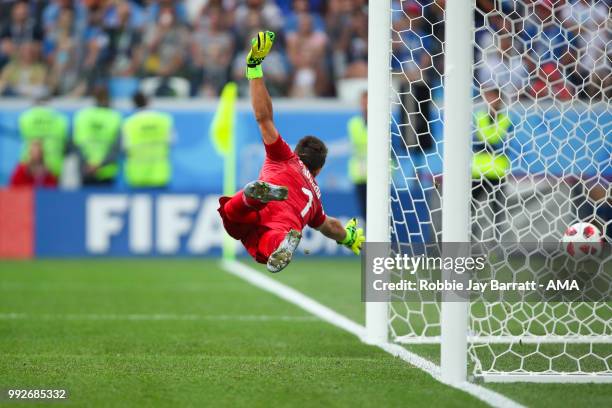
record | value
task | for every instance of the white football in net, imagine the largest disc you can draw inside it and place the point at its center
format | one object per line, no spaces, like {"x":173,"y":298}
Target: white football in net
{"x":582,"y":239}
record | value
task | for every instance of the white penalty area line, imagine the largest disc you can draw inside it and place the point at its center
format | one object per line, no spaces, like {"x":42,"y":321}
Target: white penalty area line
{"x":157,"y":317}
{"x":328,"y":315}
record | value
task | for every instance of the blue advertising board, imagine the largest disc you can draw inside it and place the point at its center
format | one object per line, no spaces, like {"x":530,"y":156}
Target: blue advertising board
{"x":101,"y":223}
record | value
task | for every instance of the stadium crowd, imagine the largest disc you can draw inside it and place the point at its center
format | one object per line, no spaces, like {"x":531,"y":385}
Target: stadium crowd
{"x":545,"y":48}
{"x":177,"y":48}
{"x":193,"y":47}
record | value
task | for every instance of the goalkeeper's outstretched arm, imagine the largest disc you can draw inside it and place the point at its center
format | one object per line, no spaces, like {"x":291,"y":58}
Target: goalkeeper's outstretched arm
{"x":260,"y":98}
{"x":332,"y":228}
{"x":262,"y":107}
{"x":349,"y":235}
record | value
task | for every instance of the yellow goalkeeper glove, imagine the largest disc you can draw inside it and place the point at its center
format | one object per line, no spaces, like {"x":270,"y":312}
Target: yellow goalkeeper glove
{"x":354,"y":237}
{"x":260,"y":47}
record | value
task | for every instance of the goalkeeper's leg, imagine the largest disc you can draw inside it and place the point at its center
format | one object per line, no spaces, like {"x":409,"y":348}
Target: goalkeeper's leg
{"x":278,"y":247}
{"x":243,"y":207}
{"x":265,"y":192}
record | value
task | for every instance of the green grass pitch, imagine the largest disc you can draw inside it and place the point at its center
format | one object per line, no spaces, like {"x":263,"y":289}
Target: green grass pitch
{"x":186,"y":333}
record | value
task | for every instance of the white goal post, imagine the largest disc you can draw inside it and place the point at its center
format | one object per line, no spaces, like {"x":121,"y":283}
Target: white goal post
{"x":379,"y":101}
{"x":456,"y":174}
{"x":545,"y":190}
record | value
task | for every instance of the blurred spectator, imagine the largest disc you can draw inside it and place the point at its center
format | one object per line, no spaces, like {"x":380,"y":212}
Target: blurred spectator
{"x":51,"y":12}
{"x":492,"y":19}
{"x":166,"y":45}
{"x":96,"y":57}
{"x":147,"y":137}
{"x":253,"y":22}
{"x":36,"y":10}
{"x":62,"y":50}
{"x":306,"y":49}
{"x":267,"y":10}
{"x":45,"y":124}
{"x":5,"y":17}
{"x":212,"y":51}
{"x":338,"y":16}
{"x":317,"y":6}
{"x":22,"y":28}
{"x":412,"y":48}
{"x":156,"y":8}
{"x":227,"y":7}
{"x":435,"y":16}
{"x":306,"y":39}
{"x":33,"y":172}
{"x":354,"y":45}
{"x":549,"y":51}
{"x":358,"y":133}
{"x":124,"y":13}
{"x":96,"y":139}
{"x":490,"y":165}
{"x":276,"y":74}
{"x":302,"y":7}
{"x":590,"y":24}
{"x":25,"y":74}
{"x":125,"y":41}
{"x":503,"y":68}
{"x":549,"y":81}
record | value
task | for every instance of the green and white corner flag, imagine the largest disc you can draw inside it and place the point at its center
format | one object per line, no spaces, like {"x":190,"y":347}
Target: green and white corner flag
{"x":222,"y":135}
{"x":223,"y":124}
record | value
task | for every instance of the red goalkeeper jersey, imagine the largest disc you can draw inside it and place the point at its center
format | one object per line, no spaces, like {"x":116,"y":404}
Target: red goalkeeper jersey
{"x":303,"y":206}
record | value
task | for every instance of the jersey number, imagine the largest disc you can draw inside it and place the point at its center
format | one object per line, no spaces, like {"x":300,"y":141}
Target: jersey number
{"x":308,"y":204}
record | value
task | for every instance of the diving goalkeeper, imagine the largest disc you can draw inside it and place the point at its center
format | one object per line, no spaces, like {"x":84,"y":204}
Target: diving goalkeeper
{"x":268,"y":215}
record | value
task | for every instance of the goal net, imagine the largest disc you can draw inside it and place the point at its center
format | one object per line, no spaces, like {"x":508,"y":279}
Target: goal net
{"x":541,"y":161}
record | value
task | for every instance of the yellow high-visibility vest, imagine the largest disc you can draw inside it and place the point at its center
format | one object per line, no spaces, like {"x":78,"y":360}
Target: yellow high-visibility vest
{"x":147,"y":135}
{"x":358,"y":133}
{"x":490,"y":162}
{"x":51,"y":128}
{"x":95,"y":131}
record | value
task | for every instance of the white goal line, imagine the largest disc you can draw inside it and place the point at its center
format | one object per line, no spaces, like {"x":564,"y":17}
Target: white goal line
{"x":556,"y":378}
{"x":504,"y":339}
{"x":156,"y":317}
{"x":328,"y":315}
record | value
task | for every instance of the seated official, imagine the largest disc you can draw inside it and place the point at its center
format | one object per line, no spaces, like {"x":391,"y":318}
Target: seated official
{"x":33,"y":172}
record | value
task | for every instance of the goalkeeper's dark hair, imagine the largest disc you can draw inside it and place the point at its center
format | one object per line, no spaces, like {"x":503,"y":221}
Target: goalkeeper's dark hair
{"x":312,"y":152}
